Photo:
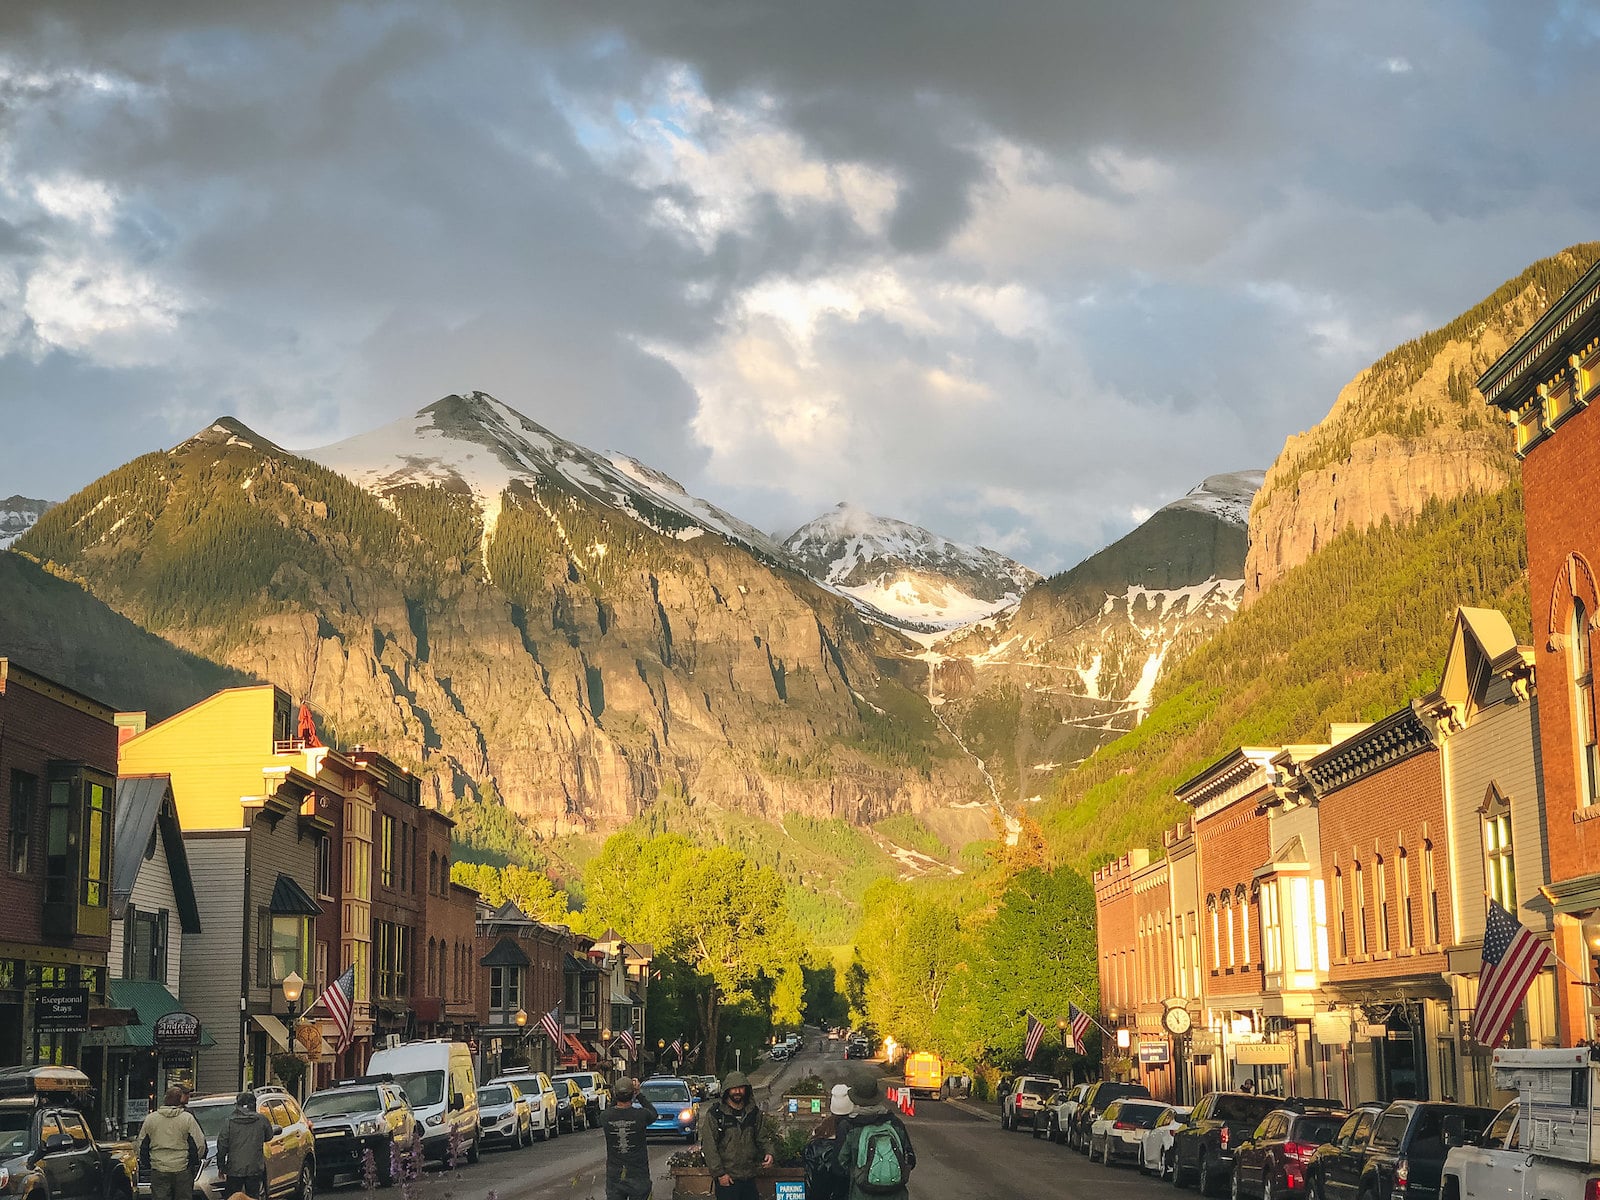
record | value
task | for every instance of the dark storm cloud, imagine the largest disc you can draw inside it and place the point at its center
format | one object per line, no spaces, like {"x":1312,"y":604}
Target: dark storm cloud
{"x":936,"y":257}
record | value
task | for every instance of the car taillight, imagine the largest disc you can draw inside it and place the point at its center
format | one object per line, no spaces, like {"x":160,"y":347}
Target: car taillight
{"x":1591,"y":1189}
{"x":1121,"y":1125}
{"x":1299,"y":1151}
{"x":1402,"y":1172}
{"x":1223,"y":1137}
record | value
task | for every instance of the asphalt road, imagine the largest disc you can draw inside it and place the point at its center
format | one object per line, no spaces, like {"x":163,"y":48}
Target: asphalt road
{"x":962,"y":1154}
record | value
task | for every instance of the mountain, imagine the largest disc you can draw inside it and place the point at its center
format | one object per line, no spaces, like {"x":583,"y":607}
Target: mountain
{"x":18,"y":514}
{"x":916,"y":579}
{"x":1408,"y":430}
{"x":520,"y":620}
{"x":1074,"y":666}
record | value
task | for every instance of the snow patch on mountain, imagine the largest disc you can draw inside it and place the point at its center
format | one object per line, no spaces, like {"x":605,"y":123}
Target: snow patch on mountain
{"x":1226,"y":496}
{"x":18,"y":514}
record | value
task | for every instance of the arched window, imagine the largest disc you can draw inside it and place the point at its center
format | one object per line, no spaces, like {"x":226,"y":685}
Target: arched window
{"x":1402,"y":874}
{"x":1583,"y":713}
{"x":433,"y":871}
{"x":1241,"y":901}
{"x":1499,"y":864}
{"x":1380,"y":900}
{"x":1341,"y":913}
{"x":1360,"y":889}
{"x":1216,"y":934}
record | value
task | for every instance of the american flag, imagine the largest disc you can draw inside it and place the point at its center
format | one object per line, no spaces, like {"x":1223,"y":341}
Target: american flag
{"x":1079,"y":1020}
{"x":551,"y":1024}
{"x":676,"y":1049}
{"x":1035,"y":1032}
{"x":626,"y":1038}
{"x":1512,"y":957}
{"x":337,"y":998}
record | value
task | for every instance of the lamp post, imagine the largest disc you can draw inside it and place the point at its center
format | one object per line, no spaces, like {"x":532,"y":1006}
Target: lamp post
{"x":1061,"y":1024}
{"x":727,"y":1042}
{"x":605,"y":1040}
{"x":293,"y":988}
{"x":661,"y":1051}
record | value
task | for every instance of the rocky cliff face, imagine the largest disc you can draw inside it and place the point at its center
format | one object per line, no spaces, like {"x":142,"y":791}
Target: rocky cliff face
{"x":1409,"y":429}
{"x":575,"y":643}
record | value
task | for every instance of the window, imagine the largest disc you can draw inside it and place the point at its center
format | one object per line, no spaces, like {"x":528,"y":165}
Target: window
{"x":1408,"y":928}
{"x":58,"y":865}
{"x":1216,"y":935}
{"x":1342,"y":930}
{"x":325,"y":866}
{"x":1380,"y":900}
{"x":1271,"y":932}
{"x":1194,"y":954}
{"x":386,"y":867}
{"x":1242,"y":900}
{"x":505,"y":989}
{"x":1183,"y":958}
{"x":394,"y":955}
{"x":1227,"y":906}
{"x":1361,"y":910}
{"x":283,"y":947}
{"x":1583,"y":706}
{"x":144,"y":945}
{"x":1430,"y":893}
{"x":96,"y":844}
{"x":1497,"y":856}
{"x":24,"y":798}
{"x":433,"y":871}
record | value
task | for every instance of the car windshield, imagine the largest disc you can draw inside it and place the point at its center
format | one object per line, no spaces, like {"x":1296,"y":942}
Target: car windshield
{"x":14,"y":1132}
{"x":494,"y":1095}
{"x":342,"y":1103}
{"x":583,"y":1081}
{"x":212,"y":1117}
{"x":670,"y":1091}
{"x":1316,"y":1130}
{"x":1243,"y":1108}
{"x":423,"y":1088}
{"x":1140,"y":1116}
{"x":1038,"y":1087}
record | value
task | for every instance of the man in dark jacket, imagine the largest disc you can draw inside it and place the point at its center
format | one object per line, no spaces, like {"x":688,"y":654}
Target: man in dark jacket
{"x":627,"y":1155}
{"x":242,"y":1149}
{"x":870,"y":1113}
{"x":735,"y":1143}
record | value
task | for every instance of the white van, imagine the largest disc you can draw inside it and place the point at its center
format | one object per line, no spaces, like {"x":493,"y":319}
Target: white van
{"x":442,"y":1088}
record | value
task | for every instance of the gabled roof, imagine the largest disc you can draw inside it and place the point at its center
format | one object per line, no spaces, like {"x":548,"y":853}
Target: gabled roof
{"x":289,"y":899}
{"x":1483,"y":651}
{"x":506,"y":953}
{"x":145,"y":805}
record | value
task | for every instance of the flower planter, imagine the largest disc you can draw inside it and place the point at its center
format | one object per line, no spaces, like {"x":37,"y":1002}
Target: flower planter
{"x":696,"y":1181}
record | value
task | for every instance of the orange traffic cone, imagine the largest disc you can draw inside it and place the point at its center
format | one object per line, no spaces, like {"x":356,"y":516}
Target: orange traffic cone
{"x":911,"y":1111}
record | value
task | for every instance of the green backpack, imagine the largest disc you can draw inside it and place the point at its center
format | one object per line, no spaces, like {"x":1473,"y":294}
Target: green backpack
{"x":880,"y":1165}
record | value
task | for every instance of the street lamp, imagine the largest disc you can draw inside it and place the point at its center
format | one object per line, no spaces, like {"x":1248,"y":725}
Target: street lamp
{"x":1061,"y":1024}
{"x":293,"y":988}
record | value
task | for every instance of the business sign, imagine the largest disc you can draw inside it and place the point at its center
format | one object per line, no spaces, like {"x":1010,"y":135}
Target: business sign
{"x":789,"y":1189}
{"x":62,"y":1010}
{"x":1202,"y":1041}
{"x":1262,"y":1054}
{"x":1332,"y":1028}
{"x":176,"y":1031}
{"x":1155,"y":1054}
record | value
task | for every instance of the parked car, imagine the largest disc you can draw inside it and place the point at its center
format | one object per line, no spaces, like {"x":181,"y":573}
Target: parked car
{"x":1024,"y":1098}
{"x":542,"y":1101}
{"x":1058,"y":1112}
{"x":291,"y":1149}
{"x":596,"y":1092}
{"x":46,"y":1149}
{"x":442,"y":1087}
{"x":677,"y":1110}
{"x":505,"y":1115}
{"x":572,"y":1110}
{"x":357,"y":1115}
{"x":1119,"y":1131}
{"x":1405,"y":1155}
{"x":1155,"y":1148}
{"x":1334,"y":1168}
{"x":858,"y":1046}
{"x":1095,"y":1101}
{"x":779,"y":1052}
{"x":1271,"y":1162}
{"x":1202,"y":1150}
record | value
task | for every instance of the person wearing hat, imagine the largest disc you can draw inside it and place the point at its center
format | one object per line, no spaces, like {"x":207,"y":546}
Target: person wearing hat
{"x":824,"y":1178}
{"x":625,"y":1124}
{"x":171,"y":1148}
{"x":880,"y":1128}
{"x":242,"y":1149}
{"x":735,"y":1143}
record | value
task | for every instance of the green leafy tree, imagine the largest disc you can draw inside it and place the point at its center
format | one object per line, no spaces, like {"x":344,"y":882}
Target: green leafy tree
{"x":530,"y":890}
{"x":911,"y":948}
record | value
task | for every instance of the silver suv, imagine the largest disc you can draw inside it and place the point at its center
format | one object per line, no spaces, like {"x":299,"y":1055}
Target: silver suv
{"x":1026,"y":1100}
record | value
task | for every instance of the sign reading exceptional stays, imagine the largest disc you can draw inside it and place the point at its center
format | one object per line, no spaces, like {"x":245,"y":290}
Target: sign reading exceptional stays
{"x":62,"y":1010}
{"x":176,"y":1031}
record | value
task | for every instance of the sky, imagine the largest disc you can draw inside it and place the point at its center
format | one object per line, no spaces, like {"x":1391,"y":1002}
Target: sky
{"x":1020,"y":272}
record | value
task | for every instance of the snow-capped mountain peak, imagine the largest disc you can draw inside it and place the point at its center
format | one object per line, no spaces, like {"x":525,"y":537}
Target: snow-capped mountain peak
{"x":18,"y":514}
{"x":915,"y":577}
{"x":1226,"y":496}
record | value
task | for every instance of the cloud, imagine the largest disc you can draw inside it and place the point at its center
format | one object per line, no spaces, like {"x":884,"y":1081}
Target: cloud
{"x":1018,"y":275}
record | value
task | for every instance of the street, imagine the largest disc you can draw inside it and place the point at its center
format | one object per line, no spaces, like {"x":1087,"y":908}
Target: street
{"x":962,"y":1154}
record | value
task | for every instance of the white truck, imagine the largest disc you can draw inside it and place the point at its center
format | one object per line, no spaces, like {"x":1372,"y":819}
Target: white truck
{"x":1541,"y":1146}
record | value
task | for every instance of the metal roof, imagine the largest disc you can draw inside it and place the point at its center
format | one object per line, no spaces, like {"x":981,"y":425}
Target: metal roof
{"x":290,"y":899}
{"x":145,"y":805}
{"x":506,"y":953}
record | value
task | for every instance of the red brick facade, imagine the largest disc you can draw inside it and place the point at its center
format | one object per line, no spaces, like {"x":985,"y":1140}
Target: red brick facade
{"x":1233,"y":844}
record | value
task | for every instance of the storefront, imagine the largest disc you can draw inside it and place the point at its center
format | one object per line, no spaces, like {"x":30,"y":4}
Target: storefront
{"x":159,"y":1048}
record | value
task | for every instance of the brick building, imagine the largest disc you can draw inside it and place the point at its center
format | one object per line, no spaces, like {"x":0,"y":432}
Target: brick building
{"x":448,"y":979}
{"x":1545,"y":385}
{"x":525,"y":964}
{"x":58,"y":765}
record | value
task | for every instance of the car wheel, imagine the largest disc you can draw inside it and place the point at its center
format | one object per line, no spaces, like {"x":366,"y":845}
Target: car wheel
{"x":307,"y":1188}
{"x":1233,"y":1188}
{"x":472,"y":1151}
{"x":1202,"y":1171}
{"x":1267,"y":1190}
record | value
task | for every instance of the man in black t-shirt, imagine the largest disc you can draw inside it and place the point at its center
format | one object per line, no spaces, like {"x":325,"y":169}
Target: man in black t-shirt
{"x":627,"y":1154}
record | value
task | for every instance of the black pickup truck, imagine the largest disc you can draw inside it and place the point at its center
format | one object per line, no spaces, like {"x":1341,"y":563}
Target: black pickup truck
{"x":48,"y":1153}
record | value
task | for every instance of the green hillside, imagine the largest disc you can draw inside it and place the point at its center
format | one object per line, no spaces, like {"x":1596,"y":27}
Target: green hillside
{"x":1350,"y":635}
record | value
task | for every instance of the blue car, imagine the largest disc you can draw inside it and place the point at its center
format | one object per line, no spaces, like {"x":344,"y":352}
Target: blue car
{"x":677,"y":1109}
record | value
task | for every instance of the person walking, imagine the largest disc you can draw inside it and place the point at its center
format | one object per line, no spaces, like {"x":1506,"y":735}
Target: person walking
{"x":242,"y":1148}
{"x":735,"y":1143}
{"x":171,"y":1148}
{"x":825,"y":1180}
{"x":875,"y":1150}
{"x":627,"y":1156}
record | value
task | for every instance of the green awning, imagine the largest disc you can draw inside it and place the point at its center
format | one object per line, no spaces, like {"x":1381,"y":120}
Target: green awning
{"x":151,"y":1001}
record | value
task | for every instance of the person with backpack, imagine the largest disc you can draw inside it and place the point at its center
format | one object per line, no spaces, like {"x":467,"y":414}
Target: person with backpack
{"x":824,"y":1178}
{"x":242,"y":1149}
{"x":734,"y":1140}
{"x":626,"y":1124}
{"x":874,"y":1148}
{"x":171,"y":1148}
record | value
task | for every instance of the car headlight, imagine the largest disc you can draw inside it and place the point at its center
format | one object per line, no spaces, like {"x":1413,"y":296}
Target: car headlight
{"x":5,"y":1179}
{"x":435,"y":1119}
{"x":367,"y":1128}
{"x":686,"y":1115}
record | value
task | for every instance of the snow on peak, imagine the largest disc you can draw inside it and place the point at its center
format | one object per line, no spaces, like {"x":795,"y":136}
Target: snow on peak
{"x":230,"y":431}
{"x":18,"y":514}
{"x":1225,"y":496}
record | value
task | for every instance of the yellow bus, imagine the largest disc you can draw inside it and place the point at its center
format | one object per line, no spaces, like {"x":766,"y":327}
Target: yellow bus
{"x":925,"y":1075}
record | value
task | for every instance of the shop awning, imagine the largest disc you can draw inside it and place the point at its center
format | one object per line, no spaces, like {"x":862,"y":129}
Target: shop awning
{"x":148,"y":1001}
{"x":276,"y":1030}
{"x":289,"y":899}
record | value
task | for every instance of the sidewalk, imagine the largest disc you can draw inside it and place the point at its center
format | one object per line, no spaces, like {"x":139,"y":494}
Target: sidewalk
{"x":989,"y":1112}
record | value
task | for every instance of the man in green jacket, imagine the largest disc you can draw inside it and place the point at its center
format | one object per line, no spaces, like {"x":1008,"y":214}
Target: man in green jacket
{"x":171,"y":1147}
{"x":735,"y":1143}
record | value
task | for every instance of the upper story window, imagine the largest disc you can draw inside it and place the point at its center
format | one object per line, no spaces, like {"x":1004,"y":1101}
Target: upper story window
{"x":387,"y":853}
{"x":24,"y":803}
{"x":283,"y":947}
{"x":1241,"y":900}
{"x":1498,"y":861}
{"x":1430,"y":893}
{"x":1402,"y":875}
{"x":1271,"y":931}
{"x":1216,"y":934}
{"x":1361,"y":909}
{"x":1380,"y":898}
{"x":1583,"y":706}
{"x":144,"y":945}
{"x":1341,"y":916}
{"x":505,"y":989}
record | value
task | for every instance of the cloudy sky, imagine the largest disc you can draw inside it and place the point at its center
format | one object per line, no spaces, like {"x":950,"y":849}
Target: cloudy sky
{"x":1018,"y":271}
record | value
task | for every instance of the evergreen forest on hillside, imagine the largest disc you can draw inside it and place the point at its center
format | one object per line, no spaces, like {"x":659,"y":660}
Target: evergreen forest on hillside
{"x":1350,"y":635}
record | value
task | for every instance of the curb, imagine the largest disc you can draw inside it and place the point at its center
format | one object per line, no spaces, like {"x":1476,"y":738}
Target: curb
{"x":965,"y":1107}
